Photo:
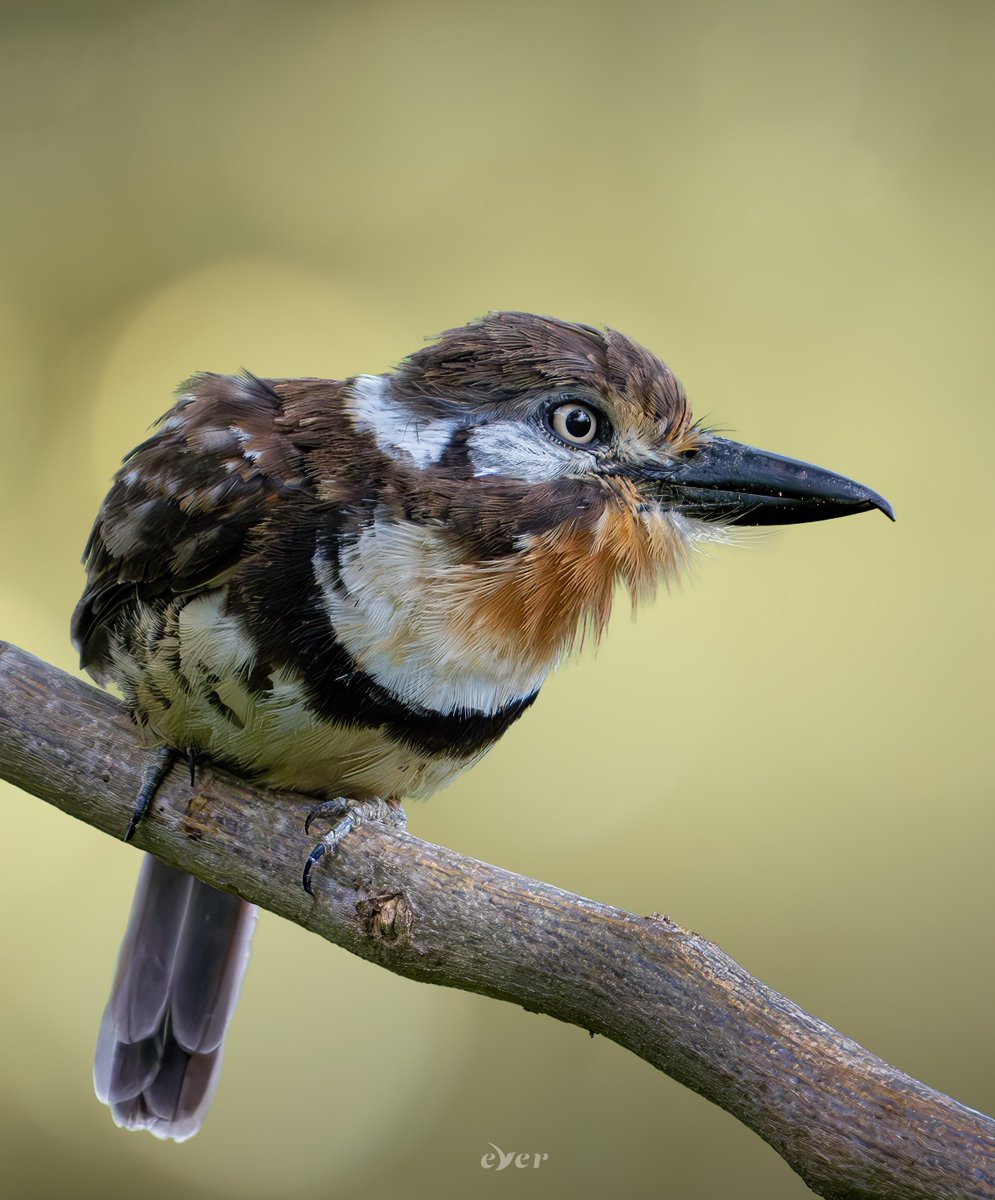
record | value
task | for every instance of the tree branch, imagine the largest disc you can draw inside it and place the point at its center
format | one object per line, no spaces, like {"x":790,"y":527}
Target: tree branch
{"x":848,"y":1123}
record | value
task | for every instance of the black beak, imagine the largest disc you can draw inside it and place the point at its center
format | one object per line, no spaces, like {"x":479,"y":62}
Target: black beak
{"x":725,"y":481}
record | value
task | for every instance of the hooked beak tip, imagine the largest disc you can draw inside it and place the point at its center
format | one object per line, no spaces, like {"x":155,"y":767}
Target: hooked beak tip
{"x":746,"y":486}
{"x":881,"y":503}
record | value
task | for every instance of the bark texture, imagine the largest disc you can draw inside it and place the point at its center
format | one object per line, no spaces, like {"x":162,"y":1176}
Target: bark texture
{"x":851,"y":1125}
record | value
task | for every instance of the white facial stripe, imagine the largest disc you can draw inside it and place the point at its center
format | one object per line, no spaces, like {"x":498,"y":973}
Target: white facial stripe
{"x":394,"y":614}
{"x":520,"y":451}
{"x":396,"y":429}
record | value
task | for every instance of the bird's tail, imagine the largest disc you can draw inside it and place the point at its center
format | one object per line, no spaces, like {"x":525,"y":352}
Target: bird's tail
{"x":175,"y":988}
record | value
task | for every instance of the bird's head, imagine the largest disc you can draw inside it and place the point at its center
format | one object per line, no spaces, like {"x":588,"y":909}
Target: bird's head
{"x":535,"y":399}
{"x":569,"y":456}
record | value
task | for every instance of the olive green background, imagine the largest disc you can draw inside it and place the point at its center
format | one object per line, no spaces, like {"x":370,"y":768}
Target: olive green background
{"x":792,"y":202}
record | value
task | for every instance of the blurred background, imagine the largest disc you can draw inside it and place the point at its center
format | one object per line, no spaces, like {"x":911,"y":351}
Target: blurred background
{"x":792,"y":203}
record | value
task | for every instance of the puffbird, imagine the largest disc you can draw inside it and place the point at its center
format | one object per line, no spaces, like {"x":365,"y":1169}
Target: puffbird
{"x":352,"y":588}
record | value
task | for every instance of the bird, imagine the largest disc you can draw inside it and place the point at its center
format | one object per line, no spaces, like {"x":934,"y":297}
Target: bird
{"x":352,"y":588}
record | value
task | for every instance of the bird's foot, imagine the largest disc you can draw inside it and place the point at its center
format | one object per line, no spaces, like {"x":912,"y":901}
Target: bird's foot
{"x":347,"y":815}
{"x":152,"y":778}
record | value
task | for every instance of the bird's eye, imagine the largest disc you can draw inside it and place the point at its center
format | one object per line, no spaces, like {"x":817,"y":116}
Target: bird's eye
{"x":574,"y":422}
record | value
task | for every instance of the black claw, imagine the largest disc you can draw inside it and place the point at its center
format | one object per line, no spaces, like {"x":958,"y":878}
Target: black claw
{"x":136,"y":816}
{"x":349,"y":815}
{"x":192,"y":764}
{"x":312,"y":858}
{"x":152,"y":778}
{"x":336,"y":808}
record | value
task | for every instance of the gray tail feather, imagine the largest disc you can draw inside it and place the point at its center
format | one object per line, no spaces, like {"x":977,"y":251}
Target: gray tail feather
{"x":175,"y":988}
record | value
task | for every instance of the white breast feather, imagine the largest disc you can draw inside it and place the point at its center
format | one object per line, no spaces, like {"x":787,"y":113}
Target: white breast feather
{"x":277,"y":734}
{"x":393,"y":613}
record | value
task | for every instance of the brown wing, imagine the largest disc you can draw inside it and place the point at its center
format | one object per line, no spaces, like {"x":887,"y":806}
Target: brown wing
{"x":179,"y":514}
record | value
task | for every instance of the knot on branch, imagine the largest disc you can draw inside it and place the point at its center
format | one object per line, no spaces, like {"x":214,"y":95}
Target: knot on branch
{"x":386,"y":918}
